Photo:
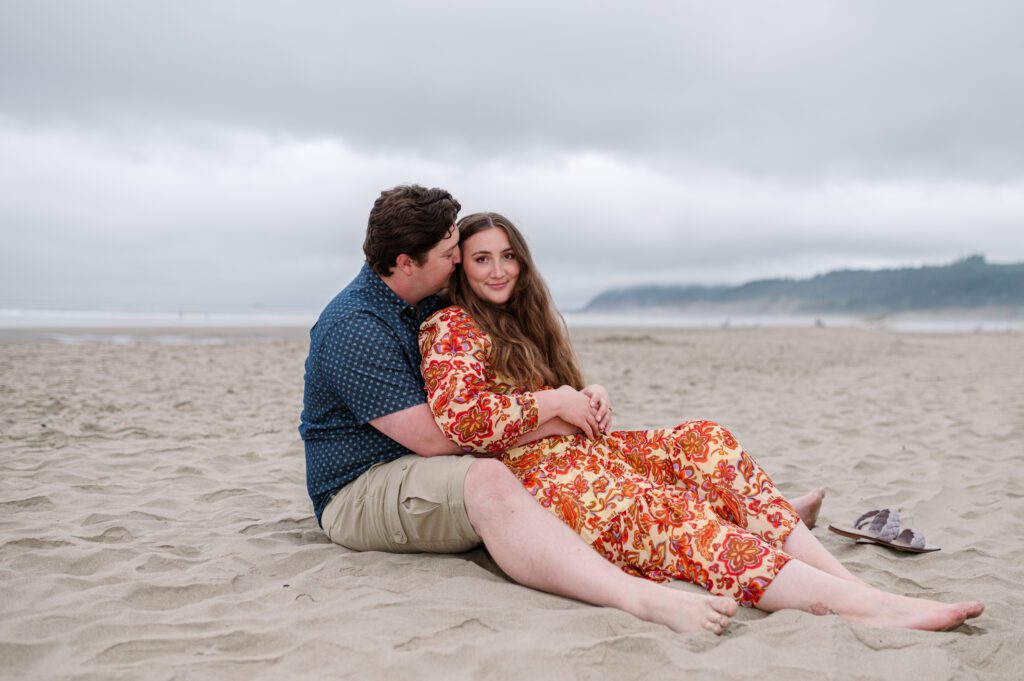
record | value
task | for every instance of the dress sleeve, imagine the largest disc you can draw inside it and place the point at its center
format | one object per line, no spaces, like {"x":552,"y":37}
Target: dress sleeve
{"x":455,"y":366}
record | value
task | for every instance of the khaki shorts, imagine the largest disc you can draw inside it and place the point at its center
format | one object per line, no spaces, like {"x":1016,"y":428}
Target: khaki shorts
{"x":409,"y":505}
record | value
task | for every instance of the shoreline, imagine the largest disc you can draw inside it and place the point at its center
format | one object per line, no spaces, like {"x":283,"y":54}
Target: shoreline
{"x":168,"y":335}
{"x":86,"y":325}
{"x":221,"y":335}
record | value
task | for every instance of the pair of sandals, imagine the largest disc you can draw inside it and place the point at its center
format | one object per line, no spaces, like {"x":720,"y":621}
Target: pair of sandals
{"x":882,"y":526}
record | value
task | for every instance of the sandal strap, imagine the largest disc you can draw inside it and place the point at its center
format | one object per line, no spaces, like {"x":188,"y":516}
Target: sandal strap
{"x":885,"y":525}
{"x":866,"y":518}
{"x":910,"y":537}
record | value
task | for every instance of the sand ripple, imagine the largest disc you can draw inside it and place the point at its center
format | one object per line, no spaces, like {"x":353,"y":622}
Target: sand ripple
{"x":155,"y":522}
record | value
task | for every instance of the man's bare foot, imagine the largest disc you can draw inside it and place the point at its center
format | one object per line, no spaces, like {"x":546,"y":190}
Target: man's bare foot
{"x":917,"y":613}
{"x":685,"y":613}
{"x":808,"y":506}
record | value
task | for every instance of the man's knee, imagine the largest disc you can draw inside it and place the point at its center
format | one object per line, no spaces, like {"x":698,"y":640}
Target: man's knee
{"x":490,"y":486}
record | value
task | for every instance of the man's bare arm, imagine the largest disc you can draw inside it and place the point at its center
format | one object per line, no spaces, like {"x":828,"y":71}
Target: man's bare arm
{"x":555,"y":426}
{"x":414,"y":429}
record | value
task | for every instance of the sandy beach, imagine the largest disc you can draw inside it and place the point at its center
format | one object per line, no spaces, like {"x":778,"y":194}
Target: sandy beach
{"x":155,"y":522}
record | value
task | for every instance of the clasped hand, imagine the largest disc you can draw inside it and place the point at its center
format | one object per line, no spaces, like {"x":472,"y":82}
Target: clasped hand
{"x":589,"y":409}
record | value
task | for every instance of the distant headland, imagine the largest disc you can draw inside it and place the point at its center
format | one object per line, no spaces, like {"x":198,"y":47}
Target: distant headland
{"x":967,"y":284}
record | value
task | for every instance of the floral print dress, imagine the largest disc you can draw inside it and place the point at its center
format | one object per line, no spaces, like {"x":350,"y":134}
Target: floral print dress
{"x":673,"y":503}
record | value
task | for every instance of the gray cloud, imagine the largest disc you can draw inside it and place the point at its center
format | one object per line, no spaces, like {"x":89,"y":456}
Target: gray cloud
{"x":217,"y":153}
{"x":905,"y":88}
{"x":234,"y":218}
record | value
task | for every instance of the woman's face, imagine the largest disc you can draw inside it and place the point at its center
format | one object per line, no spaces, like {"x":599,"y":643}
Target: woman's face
{"x":491,"y":266}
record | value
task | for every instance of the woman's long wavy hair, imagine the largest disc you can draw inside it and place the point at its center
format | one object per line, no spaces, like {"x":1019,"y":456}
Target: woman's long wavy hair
{"x":530,"y":341}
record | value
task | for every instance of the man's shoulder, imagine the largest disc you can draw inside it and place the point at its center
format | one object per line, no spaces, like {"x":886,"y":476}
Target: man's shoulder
{"x":354,"y":311}
{"x":348,"y":321}
{"x":355,"y":296}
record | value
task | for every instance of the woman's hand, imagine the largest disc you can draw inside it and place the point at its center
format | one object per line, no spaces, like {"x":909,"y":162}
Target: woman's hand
{"x":574,"y":407}
{"x":601,"y":404}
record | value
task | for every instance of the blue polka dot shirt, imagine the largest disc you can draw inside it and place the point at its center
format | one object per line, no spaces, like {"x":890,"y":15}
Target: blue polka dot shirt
{"x":363,"y":363}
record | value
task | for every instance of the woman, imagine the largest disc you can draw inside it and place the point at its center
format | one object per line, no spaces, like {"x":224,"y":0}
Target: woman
{"x":679,"y":503}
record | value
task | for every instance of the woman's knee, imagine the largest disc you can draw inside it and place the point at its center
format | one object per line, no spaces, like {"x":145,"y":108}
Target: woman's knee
{"x":709,"y":430}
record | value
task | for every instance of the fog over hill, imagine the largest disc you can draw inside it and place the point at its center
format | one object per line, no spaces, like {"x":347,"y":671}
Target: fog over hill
{"x":967,"y":284}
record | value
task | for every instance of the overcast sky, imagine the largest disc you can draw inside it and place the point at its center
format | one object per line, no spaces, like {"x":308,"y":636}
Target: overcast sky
{"x":205,"y":155}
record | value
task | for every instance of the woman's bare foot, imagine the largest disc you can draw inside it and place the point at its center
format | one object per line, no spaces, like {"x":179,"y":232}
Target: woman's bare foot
{"x":808,"y":506}
{"x":798,"y":585}
{"x":902,"y":612}
{"x":685,"y":613}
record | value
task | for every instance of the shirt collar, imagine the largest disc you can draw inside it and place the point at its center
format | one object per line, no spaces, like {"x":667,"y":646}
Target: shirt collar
{"x":392,"y":301}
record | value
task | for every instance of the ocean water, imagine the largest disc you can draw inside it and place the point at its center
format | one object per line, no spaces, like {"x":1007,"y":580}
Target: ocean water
{"x":909,"y":323}
{"x":199,"y":327}
{"x":85,"y":319}
{"x":165,"y":328}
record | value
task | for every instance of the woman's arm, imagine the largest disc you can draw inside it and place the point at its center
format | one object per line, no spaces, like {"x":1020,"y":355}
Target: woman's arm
{"x":569,"y":405}
{"x":554,"y":428}
{"x":469,"y":414}
{"x":472,"y":415}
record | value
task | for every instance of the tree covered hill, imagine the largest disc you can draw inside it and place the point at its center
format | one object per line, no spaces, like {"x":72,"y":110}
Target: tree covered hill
{"x":965,"y":284}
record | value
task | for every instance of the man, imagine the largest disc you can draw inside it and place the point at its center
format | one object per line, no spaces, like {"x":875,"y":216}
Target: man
{"x":381,"y":474}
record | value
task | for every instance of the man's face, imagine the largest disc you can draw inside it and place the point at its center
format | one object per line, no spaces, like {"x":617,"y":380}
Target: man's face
{"x":440,"y":263}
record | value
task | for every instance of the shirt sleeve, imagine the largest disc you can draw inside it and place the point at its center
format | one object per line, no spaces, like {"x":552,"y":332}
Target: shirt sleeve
{"x":455,"y":367}
{"x":362,"y":363}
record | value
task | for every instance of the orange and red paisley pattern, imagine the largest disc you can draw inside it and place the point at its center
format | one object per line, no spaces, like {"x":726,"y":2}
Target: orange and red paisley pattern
{"x":673,"y":503}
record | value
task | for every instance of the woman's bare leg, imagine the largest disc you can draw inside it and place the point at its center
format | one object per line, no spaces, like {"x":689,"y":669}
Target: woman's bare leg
{"x":800,"y":586}
{"x":804,"y":546}
{"x":538,"y":550}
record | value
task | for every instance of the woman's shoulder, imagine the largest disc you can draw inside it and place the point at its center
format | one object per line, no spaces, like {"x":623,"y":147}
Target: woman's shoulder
{"x":451,"y":316}
{"x":451,"y":329}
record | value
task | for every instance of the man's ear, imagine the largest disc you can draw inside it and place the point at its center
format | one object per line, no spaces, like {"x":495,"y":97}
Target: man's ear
{"x":405,"y":264}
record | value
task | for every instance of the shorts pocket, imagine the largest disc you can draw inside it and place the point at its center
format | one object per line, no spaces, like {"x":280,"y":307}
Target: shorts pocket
{"x":423,"y":513}
{"x":417,"y":506}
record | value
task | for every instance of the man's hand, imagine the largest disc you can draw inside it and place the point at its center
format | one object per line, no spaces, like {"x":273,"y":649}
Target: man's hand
{"x":414,"y":428}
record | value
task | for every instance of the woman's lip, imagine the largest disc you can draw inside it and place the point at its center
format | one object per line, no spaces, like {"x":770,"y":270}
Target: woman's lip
{"x":501,"y":285}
